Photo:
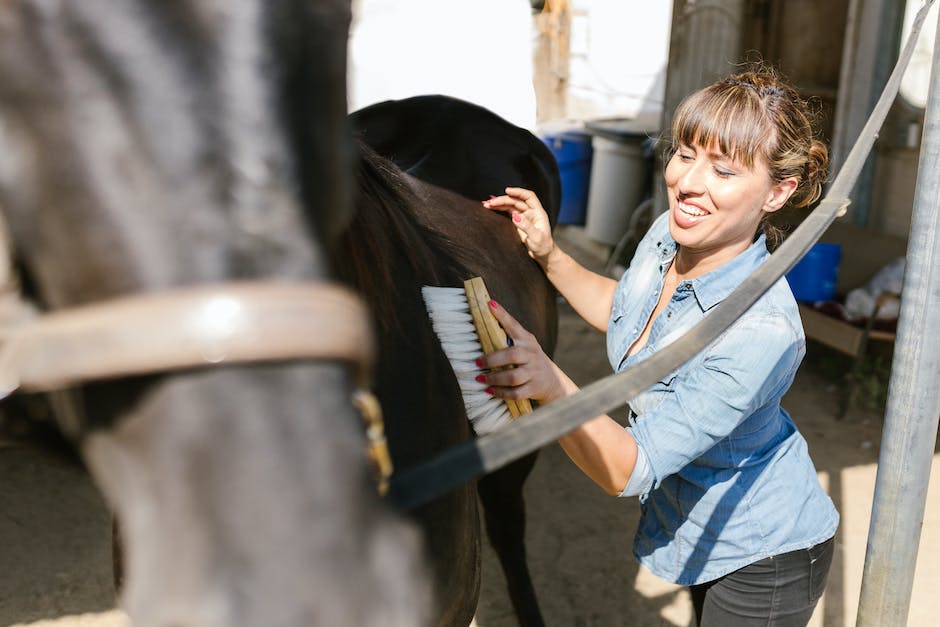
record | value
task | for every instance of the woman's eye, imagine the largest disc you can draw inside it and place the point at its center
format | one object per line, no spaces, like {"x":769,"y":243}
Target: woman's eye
{"x":685,"y":157}
{"x":723,"y":173}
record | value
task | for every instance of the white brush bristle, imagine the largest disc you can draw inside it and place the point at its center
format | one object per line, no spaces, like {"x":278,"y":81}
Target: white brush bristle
{"x":450,"y":316}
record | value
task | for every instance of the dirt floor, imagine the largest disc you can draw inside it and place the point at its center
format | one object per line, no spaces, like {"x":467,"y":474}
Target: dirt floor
{"x":55,"y":531}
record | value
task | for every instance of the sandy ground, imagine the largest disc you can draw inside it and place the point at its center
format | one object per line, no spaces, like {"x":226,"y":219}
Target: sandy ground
{"x":55,"y":530}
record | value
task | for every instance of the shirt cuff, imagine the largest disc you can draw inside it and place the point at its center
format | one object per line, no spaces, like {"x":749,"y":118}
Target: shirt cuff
{"x":641,"y":480}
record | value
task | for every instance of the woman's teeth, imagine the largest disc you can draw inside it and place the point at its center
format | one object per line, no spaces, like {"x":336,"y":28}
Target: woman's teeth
{"x":690,"y":210}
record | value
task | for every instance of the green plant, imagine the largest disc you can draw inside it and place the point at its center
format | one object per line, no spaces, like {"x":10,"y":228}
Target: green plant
{"x":871,"y":378}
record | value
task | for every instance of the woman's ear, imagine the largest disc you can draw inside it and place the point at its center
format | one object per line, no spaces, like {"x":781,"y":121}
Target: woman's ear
{"x":780,"y":193}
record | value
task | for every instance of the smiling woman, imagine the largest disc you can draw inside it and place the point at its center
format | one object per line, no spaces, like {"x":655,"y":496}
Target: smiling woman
{"x":758,"y":127}
{"x":730,"y":503}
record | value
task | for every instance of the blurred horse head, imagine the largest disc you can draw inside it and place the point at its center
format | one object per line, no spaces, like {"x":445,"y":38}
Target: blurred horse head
{"x":151,"y":146}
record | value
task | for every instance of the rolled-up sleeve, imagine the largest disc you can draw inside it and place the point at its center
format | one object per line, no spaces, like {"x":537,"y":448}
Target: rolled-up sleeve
{"x":641,"y":480}
{"x":753,"y":361}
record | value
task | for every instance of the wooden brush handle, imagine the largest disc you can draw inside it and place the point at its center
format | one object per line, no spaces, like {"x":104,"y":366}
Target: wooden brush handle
{"x":492,"y":337}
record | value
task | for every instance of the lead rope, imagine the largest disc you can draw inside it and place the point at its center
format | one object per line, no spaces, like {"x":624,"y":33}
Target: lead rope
{"x":471,"y":459}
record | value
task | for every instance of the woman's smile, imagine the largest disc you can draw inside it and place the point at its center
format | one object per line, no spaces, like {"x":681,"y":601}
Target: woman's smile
{"x":717,"y":203}
{"x":688,"y":214}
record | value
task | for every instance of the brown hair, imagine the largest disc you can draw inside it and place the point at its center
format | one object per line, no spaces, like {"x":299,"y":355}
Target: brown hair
{"x":757,"y":116}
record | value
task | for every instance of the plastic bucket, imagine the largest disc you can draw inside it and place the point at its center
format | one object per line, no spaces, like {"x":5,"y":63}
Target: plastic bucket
{"x":574,"y":153}
{"x":618,"y":182}
{"x":814,"y":276}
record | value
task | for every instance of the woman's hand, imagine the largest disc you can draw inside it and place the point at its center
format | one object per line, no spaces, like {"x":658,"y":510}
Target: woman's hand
{"x":534,"y":376}
{"x":530,"y":219}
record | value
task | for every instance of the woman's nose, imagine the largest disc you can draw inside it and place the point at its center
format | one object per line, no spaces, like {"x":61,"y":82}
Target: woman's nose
{"x":692,"y":179}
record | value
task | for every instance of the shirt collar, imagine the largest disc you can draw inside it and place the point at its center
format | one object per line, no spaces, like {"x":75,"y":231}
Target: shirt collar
{"x":713,"y":287}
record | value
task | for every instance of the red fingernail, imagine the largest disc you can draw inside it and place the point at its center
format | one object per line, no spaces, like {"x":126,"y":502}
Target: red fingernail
{"x":479,"y":362}
{"x":490,"y":391}
{"x":493,"y":304}
{"x":481,"y":378}
{"x":516,"y":217}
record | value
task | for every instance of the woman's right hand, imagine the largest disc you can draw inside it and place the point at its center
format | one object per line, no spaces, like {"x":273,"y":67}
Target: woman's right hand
{"x":530,"y":374}
{"x":530,"y":219}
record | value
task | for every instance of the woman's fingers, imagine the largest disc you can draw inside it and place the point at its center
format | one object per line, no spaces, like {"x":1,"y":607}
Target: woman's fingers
{"x":522,"y":392}
{"x":509,"y":375}
{"x":512,"y":356}
{"x":513,"y":377}
{"x":510,"y":325}
{"x":528,"y":216}
{"x":527,"y":196}
{"x":506,"y":204}
{"x":515,"y":198}
{"x":522,"y":370}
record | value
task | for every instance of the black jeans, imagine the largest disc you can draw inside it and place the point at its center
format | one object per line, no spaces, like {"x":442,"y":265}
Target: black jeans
{"x":779,"y":591}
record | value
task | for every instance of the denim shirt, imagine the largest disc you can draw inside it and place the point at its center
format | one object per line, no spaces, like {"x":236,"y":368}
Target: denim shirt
{"x":723,"y":475}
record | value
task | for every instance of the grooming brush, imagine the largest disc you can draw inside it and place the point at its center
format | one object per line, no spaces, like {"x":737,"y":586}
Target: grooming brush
{"x":467,"y":330}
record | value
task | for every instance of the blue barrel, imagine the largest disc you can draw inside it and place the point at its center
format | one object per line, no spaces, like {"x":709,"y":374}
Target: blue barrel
{"x":814,"y":276}
{"x":573,"y":152}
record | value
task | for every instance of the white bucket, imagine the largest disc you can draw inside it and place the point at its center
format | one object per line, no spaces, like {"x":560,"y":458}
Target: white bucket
{"x":619,"y":175}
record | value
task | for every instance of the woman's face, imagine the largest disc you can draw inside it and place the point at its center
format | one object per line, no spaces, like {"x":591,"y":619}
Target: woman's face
{"x":716,"y":203}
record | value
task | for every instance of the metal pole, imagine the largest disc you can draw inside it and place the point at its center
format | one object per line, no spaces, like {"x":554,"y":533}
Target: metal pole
{"x":913,"y":401}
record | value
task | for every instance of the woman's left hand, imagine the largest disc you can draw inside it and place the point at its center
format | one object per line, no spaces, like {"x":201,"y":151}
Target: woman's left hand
{"x":534,"y":375}
{"x":530,"y":218}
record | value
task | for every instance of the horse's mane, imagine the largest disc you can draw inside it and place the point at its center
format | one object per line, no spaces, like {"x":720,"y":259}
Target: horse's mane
{"x":387,"y":246}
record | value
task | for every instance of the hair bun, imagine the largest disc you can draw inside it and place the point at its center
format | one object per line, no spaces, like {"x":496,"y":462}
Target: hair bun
{"x":815,"y":169}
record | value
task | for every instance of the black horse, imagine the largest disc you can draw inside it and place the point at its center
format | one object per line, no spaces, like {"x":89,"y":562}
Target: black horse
{"x":425,"y":164}
{"x":147,"y":146}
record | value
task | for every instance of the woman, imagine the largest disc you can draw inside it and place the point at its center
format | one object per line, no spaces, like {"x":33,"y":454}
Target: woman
{"x":730,"y":502}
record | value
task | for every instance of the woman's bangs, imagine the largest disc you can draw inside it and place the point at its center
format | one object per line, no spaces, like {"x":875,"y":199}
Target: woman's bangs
{"x":727,"y":121}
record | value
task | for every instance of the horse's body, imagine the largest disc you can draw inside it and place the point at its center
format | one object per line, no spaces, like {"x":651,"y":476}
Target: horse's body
{"x":418,"y":222}
{"x":150,"y":145}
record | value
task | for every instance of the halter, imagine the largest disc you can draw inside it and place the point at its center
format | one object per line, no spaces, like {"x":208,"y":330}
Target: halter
{"x":187,"y":328}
